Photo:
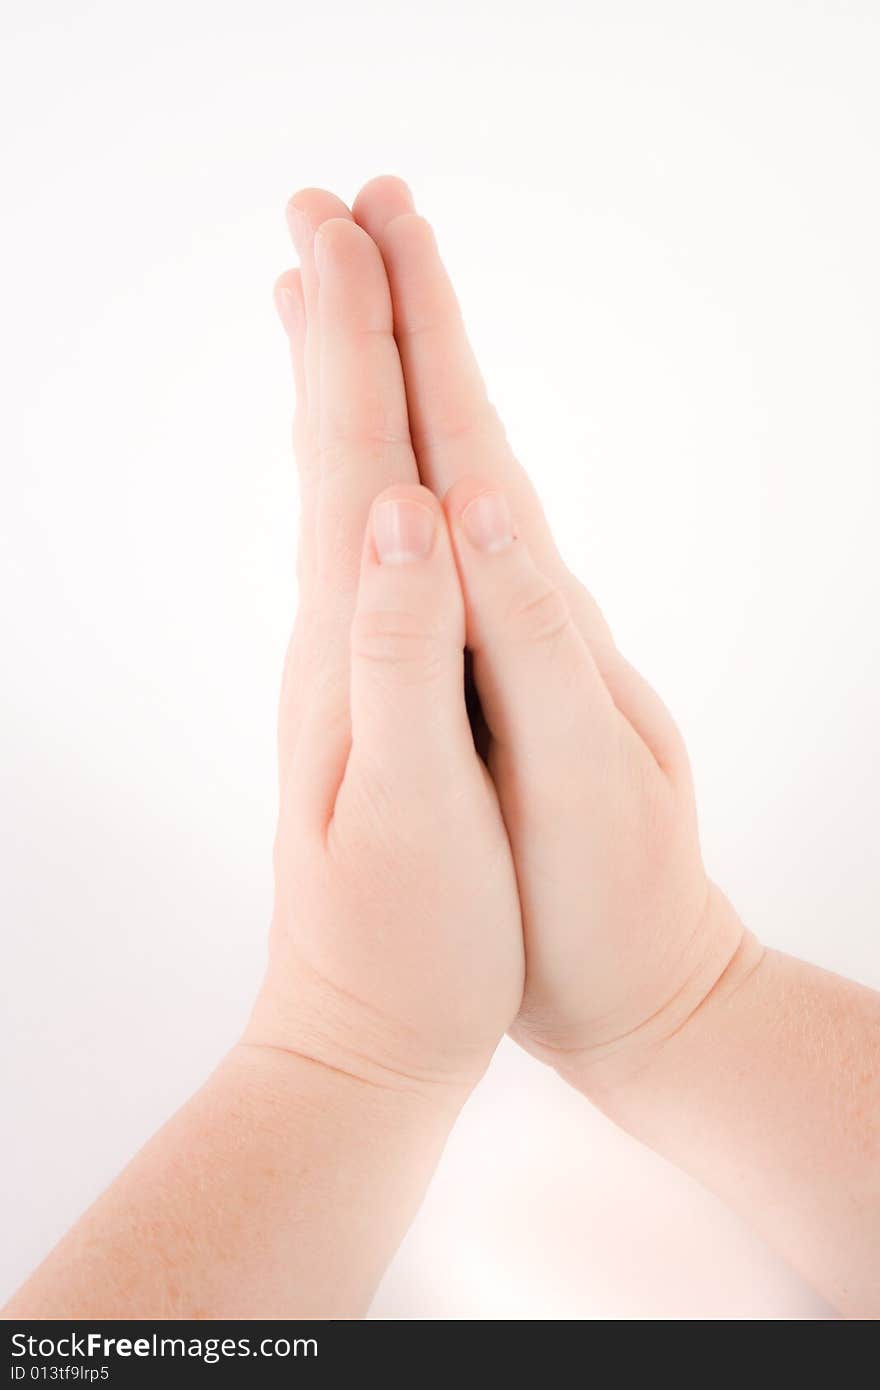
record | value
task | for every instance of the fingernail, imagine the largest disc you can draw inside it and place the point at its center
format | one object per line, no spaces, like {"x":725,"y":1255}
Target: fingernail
{"x":287,"y":304}
{"x":403,"y":531}
{"x":487,"y":522}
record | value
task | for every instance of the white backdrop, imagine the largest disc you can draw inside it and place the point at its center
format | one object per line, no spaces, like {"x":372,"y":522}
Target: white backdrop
{"x":663,"y":221}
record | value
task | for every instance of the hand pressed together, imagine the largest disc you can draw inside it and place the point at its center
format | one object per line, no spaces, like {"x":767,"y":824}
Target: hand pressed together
{"x":622,"y":932}
{"x":486,"y":825}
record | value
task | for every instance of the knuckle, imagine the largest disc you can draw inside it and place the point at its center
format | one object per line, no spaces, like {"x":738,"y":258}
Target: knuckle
{"x":367,"y":431}
{"x":361,"y":436}
{"x":538,"y":614}
{"x":397,"y":638}
{"x":453,"y":425}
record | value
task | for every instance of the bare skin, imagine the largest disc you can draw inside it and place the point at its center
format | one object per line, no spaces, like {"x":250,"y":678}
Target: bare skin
{"x":396,"y":957}
{"x":424,"y":906}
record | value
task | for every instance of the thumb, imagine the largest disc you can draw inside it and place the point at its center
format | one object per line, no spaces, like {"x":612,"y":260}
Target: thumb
{"x":540,"y":690}
{"x":407,"y":641}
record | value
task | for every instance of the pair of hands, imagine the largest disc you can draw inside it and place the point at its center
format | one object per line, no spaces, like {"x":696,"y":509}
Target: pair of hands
{"x":451,"y":867}
{"x":430,"y":897}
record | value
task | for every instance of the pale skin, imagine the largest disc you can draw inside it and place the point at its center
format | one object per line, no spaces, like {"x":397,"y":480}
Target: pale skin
{"x":427,"y":900}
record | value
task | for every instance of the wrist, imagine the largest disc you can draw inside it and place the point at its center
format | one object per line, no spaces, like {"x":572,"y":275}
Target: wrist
{"x":291,"y":1090}
{"x":350,"y":1158}
{"x":291,"y":1082}
{"x":726,"y":955}
{"x":334,"y":1041}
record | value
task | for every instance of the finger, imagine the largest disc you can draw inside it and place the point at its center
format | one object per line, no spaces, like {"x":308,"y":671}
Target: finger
{"x":455,"y":429}
{"x":290,"y":305}
{"x":305,"y":212}
{"x":541,"y":693}
{"x":380,"y":201}
{"x":363,"y":441}
{"x":642,"y":707}
{"x":408,"y":716}
{"x":362,"y":445}
{"x":456,"y":433}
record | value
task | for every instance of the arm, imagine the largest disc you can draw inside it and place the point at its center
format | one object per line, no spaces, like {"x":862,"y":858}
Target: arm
{"x":757,"y":1073}
{"x":769,"y":1094}
{"x":281,"y":1190}
{"x":396,"y":963}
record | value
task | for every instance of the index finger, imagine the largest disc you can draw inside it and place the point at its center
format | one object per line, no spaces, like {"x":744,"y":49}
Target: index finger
{"x":455,"y":429}
{"x":362,"y":446}
{"x":363,"y":438}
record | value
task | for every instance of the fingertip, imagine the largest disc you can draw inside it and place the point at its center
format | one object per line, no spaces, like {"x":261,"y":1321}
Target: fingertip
{"x":287,"y":295}
{"x":410,"y":229}
{"x":290,"y":279}
{"x":342,"y":245}
{"x":307,"y":209}
{"x":380,"y":201}
{"x":352,"y":285}
{"x":338,"y":236}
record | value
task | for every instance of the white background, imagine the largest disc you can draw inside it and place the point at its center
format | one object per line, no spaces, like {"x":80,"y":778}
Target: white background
{"x":663,"y":220}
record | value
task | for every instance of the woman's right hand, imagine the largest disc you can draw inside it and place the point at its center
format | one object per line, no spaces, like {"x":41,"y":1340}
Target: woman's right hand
{"x":755,"y":1072}
{"x":624,"y":935}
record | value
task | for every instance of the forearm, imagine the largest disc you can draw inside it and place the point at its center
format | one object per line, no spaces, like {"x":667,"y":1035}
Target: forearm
{"x":770,"y":1095}
{"x":281,"y":1190}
